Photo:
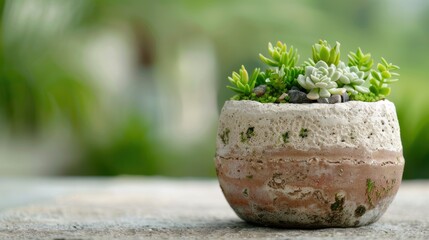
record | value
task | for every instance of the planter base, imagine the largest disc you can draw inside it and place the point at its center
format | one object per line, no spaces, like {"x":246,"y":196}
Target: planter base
{"x":309,"y":166}
{"x":310,"y":193}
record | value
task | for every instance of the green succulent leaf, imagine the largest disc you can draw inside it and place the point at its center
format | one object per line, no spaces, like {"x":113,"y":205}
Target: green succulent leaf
{"x":362,"y":61}
{"x":381,"y":67}
{"x":241,"y":82}
{"x":361,"y":89}
{"x":322,"y":51}
{"x":384,"y":62}
{"x":332,"y":56}
{"x":384,"y":91}
{"x":391,"y":80}
{"x":376,"y":75}
{"x":237,"y":90}
{"x":280,"y":56}
{"x":373,"y":90}
{"x":324,"y":54}
{"x":386,"y":74}
{"x":309,"y":62}
{"x":253,"y":79}
{"x":268,"y":61}
{"x":244,"y":75}
{"x":394,"y":67}
{"x":382,"y":77}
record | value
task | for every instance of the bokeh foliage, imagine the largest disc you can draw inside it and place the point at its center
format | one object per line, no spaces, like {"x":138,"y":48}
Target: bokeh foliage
{"x":40,"y":86}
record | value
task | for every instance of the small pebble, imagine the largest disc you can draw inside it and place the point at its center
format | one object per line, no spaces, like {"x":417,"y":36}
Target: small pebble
{"x":334,"y":99}
{"x":296,"y":96}
{"x":345,"y":97}
{"x":260,"y":90}
{"x":283,"y":96}
{"x":323,"y":100}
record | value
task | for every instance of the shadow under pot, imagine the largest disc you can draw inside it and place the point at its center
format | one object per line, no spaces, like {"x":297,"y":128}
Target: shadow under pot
{"x":309,"y":165}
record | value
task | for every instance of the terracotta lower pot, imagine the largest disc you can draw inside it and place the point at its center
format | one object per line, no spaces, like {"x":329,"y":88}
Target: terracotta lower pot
{"x":309,"y":165}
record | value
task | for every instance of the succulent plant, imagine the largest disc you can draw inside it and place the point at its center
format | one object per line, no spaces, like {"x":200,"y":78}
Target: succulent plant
{"x":321,"y":76}
{"x":291,"y":76}
{"x":320,"y":80}
{"x":243,"y":84}
{"x":275,"y":78}
{"x":323,"y":51}
{"x":381,"y":78}
{"x":281,"y":56}
{"x":351,"y":78}
{"x":362,"y":61}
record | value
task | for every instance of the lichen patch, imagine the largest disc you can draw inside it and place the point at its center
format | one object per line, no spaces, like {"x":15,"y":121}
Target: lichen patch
{"x":360,"y":210}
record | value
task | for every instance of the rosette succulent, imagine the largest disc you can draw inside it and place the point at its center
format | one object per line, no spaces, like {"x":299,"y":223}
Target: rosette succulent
{"x":351,"y":79}
{"x":320,"y":80}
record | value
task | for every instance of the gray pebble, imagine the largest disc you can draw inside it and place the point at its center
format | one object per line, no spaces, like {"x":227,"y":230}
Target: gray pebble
{"x":334,"y":98}
{"x":323,"y":100}
{"x":345,"y":97}
{"x":260,"y":90}
{"x":296,"y":96}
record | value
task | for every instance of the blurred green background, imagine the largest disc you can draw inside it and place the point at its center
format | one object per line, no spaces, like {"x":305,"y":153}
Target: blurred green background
{"x":104,"y":87}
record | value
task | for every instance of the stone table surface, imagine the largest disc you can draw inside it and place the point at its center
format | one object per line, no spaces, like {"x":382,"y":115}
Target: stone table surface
{"x":159,"y":208}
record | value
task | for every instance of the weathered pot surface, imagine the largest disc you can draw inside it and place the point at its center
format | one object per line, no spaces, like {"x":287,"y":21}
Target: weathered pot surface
{"x":309,"y":165}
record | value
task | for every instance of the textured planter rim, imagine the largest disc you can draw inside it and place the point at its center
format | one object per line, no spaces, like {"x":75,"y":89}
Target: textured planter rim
{"x":309,"y":165}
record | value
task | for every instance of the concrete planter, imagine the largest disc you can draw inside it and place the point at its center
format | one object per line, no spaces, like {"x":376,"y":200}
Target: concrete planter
{"x":309,"y":165}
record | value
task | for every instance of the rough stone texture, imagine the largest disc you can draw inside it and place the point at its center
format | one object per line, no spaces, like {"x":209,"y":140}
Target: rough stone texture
{"x":354,"y":126}
{"x":141,"y":208}
{"x":309,"y":165}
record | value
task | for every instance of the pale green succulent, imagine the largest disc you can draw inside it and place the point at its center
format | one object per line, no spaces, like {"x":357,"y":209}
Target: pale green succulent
{"x":381,"y":78}
{"x":323,"y":51}
{"x":362,"y":61}
{"x":320,"y":80}
{"x":351,"y":78}
{"x":243,"y":84}
{"x":281,"y":56}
